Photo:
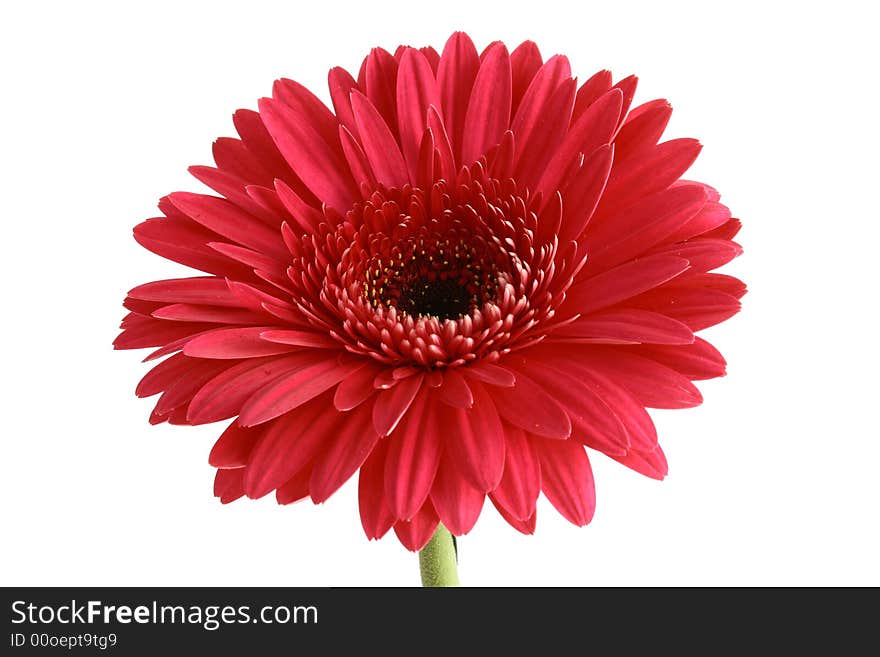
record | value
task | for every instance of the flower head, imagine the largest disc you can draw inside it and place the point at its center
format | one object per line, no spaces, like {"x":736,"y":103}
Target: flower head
{"x":466,"y":273}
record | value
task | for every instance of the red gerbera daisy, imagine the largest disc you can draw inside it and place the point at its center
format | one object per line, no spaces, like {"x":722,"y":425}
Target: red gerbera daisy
{"x":465,"y":274}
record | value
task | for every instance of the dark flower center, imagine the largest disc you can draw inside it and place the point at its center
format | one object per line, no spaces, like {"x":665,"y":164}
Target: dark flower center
{"x":441,"y":299}
{"x":442,"y":278}
{"x":464,"y":270}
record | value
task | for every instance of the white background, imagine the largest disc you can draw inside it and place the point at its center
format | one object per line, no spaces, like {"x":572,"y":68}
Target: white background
{"x":773,"y":481}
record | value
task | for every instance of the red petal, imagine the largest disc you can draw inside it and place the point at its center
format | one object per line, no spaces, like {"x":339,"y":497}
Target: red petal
{"x":164,"y":375}
{"x":592,"y":130}
{"x":376,"y":516}
{"x":593,"y":422}
{"x":384,"y":380}
{"x":290,"y":391}
{"x":491,"y":374}
{"x":653,"y":171}
{"x":182,"y":391}
{"x":296,"y":488}
{"x":655,"y":385}
{"x":310,"y":149}
{"x":703,"y":254}
{"x":696,"y":361}
{"x":234,"y":343}
{"x":225,"y":394}
{"x":184,"y":241}
{"x":632,"y":414}
{"x":305,"y":216}
{"x":628,"y":87}
{"x":255,"y":299}
{"x":590,"y":91}
{"x":207,"y":290}
{"x":251,"y":258}
{"x":488,"y":112}
{"x":455,"y":77}
{"x":549,"y":219}
{"x":567,"y":479}
{"x":729,"y":285}
{"x":288,"y":445}
{"x":623,"y":282}
{"x":356,"y":388}
{"x":532,"y":108}
{"x":234,"y":446}
{"x":615,"y":239}
{"x":356,"y":158}
{"x":424,"y":169}
{"x":649,"y":463}
{"x":525,"y":60}
{"x":344,"y":455}
{"x":413,"y":456}
{"x":500,"y":159}
{"x":726,"y":231}
{"x":696,"y":306}
{"x":258,"y":141}
{"x":341,"y":85}
{"x":474,"y":440}
{"x":416,"y":533}
{"x":380,"y":79}
{"x":140,"y":307}
{"x":170,"y":347}
{"x":536,"y":147}
{"x":379,"y":144}
{"x":528,"y":406}
{"x":228,"y":485}
{"x":177,"y":416}
{"x":520,"y":485}
{"x":711,"y":216}
{"x":233,"y":156}
{"x":143,"y":331}
{"x":457,"y":503}
{"x":432,"y":56}
{"x":582,"y":194}
{"x":524,"y":526}
{"x":300,"y":339}
{"x":391,"y":405}
{"x":642,"y":129}
{"x":416,"y":91}
{"x":232,"y":188}
{"x":455,"y":391}
{"x":442,"y":144}
{"x":188,"y":312}
{"x":625,"y":325}
{"x":265,"y":197}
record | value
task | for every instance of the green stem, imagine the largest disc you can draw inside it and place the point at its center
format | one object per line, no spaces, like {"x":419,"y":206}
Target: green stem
{"x":437,"y":560}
